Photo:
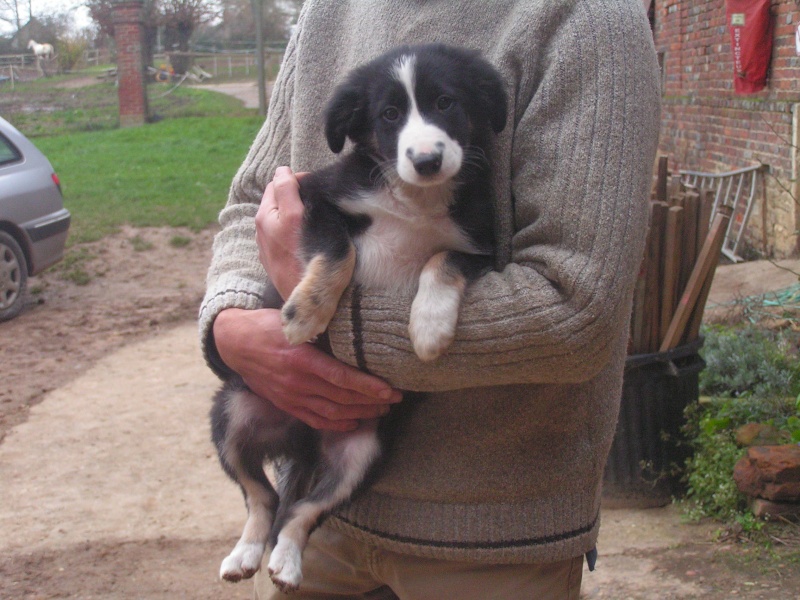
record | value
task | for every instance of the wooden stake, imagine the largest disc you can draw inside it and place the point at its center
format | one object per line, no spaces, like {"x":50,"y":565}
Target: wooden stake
{"x":704,"y":269}
{"x":671,"y":262}
{"x":652,"y":328}
{"x":689,"y":239}
{"x":662,"y":178}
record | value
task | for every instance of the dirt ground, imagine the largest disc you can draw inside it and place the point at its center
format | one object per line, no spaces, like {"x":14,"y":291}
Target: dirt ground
{"x":111,"y":488}
{"x":133,"y":291}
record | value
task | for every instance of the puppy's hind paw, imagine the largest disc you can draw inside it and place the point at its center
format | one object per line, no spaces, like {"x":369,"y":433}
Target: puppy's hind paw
{"x":242,"y":562}
{"x":285,"y":566}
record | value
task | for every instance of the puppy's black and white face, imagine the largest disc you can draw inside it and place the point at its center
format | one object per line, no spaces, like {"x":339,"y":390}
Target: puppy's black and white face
{"x":418,"y":109}
{"x":421,"y":125}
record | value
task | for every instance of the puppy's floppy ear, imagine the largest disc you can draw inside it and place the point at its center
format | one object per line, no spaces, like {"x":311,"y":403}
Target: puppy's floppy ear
{"x":492,"y":96}
{"x":345,"y":115}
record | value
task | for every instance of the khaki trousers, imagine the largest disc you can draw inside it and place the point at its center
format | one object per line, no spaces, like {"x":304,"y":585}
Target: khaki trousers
{"x":337,"y":566}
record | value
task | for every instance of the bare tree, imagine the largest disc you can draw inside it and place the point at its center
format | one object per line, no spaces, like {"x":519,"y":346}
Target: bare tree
{"x":100,"y":12}
{"x":236,"y":27}
{"x":15,"y":12}
{"x":182,"y":17}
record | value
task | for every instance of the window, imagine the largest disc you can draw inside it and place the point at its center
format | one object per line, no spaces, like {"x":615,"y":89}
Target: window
{"x":8,"y":152}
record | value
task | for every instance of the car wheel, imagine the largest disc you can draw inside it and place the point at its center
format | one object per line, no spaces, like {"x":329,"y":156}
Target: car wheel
{"x":13,"y":277}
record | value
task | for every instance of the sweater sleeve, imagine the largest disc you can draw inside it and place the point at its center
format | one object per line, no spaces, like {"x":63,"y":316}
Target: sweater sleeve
{"x":575,"y":184}
{"x":236,"y":278}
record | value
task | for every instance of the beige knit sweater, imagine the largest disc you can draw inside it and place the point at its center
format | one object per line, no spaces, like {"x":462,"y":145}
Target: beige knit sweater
{"x":503,"y":460}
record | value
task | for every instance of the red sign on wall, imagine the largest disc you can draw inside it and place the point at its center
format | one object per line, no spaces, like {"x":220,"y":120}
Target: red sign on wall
{"x":750,"y":25}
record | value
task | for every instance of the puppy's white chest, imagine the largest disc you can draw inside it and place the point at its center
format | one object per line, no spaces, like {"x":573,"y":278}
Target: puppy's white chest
{"x":399,"y":241}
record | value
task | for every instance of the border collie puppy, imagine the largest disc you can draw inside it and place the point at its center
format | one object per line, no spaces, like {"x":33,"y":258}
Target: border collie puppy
{"x":408,"y":209}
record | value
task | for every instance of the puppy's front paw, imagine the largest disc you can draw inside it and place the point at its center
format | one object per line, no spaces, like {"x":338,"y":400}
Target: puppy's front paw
{"x":432,"y":326}
{"x":242,"y":562}
{"x":285,"y":566}
{"x":302,"y":321}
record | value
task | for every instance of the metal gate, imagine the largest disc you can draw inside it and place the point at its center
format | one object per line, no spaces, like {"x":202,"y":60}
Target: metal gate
{"x":735,"y":189}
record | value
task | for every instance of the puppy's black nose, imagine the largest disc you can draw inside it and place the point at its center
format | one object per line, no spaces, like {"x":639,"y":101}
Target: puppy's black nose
{"x":427,"y":163}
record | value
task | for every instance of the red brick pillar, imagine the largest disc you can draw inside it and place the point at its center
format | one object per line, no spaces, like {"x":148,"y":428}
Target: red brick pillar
{"x":128,"y":16}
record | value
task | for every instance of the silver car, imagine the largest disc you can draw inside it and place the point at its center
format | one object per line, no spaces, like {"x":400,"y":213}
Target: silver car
{"x":33,"y":220}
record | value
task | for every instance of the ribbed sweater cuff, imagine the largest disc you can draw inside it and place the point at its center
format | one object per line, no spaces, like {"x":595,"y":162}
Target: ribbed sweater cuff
{"x":229,"y":291}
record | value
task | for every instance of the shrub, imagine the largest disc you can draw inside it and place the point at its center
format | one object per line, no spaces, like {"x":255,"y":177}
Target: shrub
{"x":750,"y":361}
{"x":70,"y":52}
{"x":753,"y":375}
{"x":711,"y":491}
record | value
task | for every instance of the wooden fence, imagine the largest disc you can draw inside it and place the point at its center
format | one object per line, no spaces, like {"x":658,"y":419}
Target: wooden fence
{"x":16,"y":60}
{"x":227,"y":63}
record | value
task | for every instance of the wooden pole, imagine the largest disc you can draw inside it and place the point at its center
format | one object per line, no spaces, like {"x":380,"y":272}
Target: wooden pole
{"x":671,"y":267}
{"x":703,"y":271}
{"x":258,"y":14}
{"x":689,"y":239}
{"x":654,"y":276}
{"x":661,"y":179}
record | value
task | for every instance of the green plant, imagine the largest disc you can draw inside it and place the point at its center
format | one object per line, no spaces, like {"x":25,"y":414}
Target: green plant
{"x":140,"y":244}
{"x":752,"y":376}
{"x":72,"y":267}
{"x":179,"y":241}
{"x":749,"y":361}
{"x":70,"y":52}
{"x":710,"y":489}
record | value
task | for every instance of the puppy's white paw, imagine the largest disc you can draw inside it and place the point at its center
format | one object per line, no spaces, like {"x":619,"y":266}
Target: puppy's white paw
{"x":434,"y":314}
{"x":242,"y":562}
{"x":285,"y":565}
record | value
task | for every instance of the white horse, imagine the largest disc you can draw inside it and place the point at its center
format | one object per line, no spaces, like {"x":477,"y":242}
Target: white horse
{"x":42,"y":50}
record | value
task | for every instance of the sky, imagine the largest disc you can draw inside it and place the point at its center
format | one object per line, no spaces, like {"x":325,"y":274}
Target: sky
{"x":45,"y":7}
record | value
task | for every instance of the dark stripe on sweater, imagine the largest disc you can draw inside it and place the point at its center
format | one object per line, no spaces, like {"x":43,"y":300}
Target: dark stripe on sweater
{"x":479,"y":545}
{"x":358,"y":340}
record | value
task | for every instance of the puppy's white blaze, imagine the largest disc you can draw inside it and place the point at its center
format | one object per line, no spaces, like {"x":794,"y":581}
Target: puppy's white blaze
{"x":418,"y":136}
{"x":434,"y":314}
{"x":404,"y":71}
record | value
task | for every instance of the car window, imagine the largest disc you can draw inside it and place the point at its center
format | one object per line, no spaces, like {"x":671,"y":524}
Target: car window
{"x":8,"y":152}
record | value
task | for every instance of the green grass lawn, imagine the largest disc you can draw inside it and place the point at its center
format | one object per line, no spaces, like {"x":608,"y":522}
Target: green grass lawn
{"x":172,"y":173}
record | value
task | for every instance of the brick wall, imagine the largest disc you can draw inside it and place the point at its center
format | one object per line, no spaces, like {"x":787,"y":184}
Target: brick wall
{"x":706,"y":126}
{"x":128,"y":19}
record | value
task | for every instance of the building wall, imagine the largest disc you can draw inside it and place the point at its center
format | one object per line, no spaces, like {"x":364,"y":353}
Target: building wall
{"x":707,"y":127}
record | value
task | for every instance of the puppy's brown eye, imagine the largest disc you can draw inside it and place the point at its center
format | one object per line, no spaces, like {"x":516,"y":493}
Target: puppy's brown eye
{"x":391,"y":114}
{"x":444,"y":103}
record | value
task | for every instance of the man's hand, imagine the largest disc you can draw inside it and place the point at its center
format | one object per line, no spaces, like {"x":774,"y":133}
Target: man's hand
{"x":278,"y":224}
{"x":301,"y":380}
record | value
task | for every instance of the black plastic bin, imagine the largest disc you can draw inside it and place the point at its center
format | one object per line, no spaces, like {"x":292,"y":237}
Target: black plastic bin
{"x":649,"y":451}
